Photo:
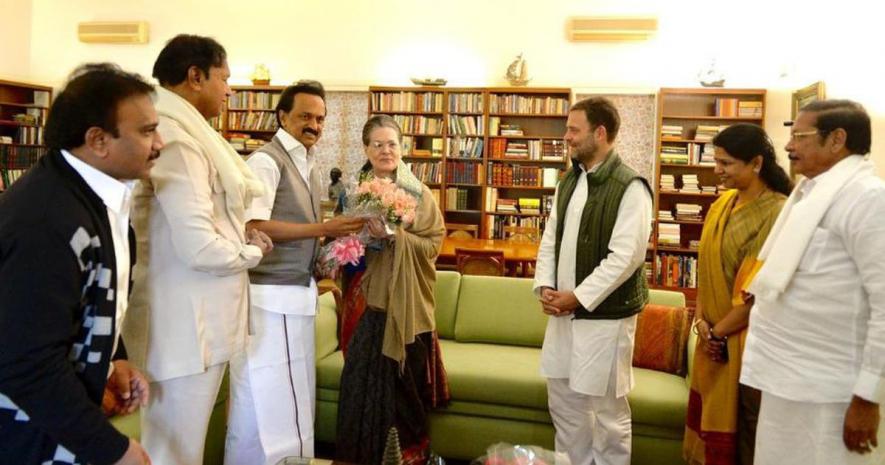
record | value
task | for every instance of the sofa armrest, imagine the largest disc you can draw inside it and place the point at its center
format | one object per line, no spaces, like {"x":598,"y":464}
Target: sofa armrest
{"x":326,"y":326}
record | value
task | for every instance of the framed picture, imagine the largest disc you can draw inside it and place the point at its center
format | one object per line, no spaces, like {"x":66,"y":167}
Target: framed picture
{"x":806,"y":95}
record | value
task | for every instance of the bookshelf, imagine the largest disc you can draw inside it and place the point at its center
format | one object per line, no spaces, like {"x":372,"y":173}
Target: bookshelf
{"x":249,"y":119}
{"x":23,"y":111}
{"x":491,"y":155}
{"x":686,"y":184}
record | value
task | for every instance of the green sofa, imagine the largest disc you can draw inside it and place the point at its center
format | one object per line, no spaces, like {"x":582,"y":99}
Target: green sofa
{"x":491,"y":330}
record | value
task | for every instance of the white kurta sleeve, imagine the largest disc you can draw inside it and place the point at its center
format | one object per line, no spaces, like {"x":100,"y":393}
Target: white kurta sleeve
{"x":865,"y":242}
{"x":181,"y":179}
{"x":545,"y":268}
{"x":628,"y":244}
{"x":269,"y":175}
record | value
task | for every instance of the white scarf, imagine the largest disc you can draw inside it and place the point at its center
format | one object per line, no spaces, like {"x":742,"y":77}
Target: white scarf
{"x":238,"y":181}
{"x":792,"y":231}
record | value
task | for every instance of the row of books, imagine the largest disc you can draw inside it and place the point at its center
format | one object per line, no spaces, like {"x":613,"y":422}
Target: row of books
{"x":426,"y":172}
{"x":15,"y":161}
{"x":676,"y":271}
{"x":253,"y":100}
{"x":407,"y":101}
{"x":466,"y":125}
{"x":466,"y":147}
{"x":465,"y":103}
{"x":527,"y":149}
{"x":689,"y":154}
{"x":260,"y":121}
{"x":522,"y":205}
{"x":419,"y":124}
{"x":519,"y":175}
{"x":464,"y":172}
{"x":31,"y":135}
{"x":521,"y":104}
{"x":245,"y":143}
{"x":731,"y":107}
{"x":497,"y":225}
{"x":458,"y":199}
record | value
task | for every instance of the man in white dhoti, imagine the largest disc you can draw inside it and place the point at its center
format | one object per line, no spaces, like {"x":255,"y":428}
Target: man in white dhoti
{"x":591,"y":282}
{"x":276,"y":390}
{"x":816,"y":342}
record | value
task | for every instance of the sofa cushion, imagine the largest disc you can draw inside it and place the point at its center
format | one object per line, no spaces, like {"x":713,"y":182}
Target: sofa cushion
{"x":499,"y":310}
{"x":446,"y":291}
{"x":495,"y":374}
{"x":661,"y":337}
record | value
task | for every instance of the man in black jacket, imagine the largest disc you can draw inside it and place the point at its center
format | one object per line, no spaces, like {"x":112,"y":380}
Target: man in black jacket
{"x":66,"y":252}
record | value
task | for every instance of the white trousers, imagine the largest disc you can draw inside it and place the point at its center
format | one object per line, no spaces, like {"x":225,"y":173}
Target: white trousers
{"x":805,"y":433}
{"x":174,"y":424}
{"x":592,"y":430}
{"x":273,"y":396}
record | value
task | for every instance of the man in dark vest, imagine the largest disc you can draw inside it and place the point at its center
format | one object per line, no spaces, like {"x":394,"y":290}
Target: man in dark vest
{"x":66,"y":250}
{"x":591,"y":282}
{"x":278,"y":384}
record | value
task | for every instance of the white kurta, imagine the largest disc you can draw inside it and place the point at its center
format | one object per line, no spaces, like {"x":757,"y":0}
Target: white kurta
{"x":822,"y":340}
{"x":276,"y":390}
{"x":586,"y":351}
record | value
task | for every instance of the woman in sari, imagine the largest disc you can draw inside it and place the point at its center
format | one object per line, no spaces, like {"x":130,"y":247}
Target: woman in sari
{"x":721,"y":419}
{"x":392,"y":371}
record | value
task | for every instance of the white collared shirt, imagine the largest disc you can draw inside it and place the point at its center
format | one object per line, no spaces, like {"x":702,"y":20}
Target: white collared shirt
{"x":289,"y":299}
{"x":823,"y":339}
{"x":586,"y":351}
{"x":117,"y":198}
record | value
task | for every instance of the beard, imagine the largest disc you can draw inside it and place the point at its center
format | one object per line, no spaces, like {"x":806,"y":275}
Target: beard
{"x":585,"y":151}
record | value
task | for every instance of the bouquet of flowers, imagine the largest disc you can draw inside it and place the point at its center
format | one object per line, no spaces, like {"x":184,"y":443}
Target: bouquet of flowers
{"x":374,"y":197}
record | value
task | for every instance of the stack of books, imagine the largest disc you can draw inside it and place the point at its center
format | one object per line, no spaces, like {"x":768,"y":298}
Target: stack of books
{"x":671,"y":131}
{"x":668,"y":234}
{"x":706,"y":133}
{"x":688,"y":212}
{"x":665,"y":215}
{"x":749,"y":109}
{"x":690,"y":184}
{"x":707,"y":156}
{"x":529,"y":206}
{"x":674,"y":155}
{"x":668,"y":182}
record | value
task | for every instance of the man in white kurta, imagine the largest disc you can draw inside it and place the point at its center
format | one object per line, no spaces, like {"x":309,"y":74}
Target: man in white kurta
{"x":275,"y":392}
{"x":816,"y":340}
{"x":190,"y":294}
{"x":588,"y":362}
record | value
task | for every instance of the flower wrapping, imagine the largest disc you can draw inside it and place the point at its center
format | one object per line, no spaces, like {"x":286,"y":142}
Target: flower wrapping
{"x":373,"y":198}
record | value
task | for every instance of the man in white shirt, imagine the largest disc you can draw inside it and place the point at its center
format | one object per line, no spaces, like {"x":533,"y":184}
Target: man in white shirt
{"x":816,"y":340}
{"x":190,"y":301}
{"x":65,"y":262}
{"x":275,"y":391}
{"x":591,"y":282}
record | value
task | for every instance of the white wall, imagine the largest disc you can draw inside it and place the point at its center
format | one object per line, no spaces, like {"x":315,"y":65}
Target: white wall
{"x":15,"y":40}
{"x":778,"y":45}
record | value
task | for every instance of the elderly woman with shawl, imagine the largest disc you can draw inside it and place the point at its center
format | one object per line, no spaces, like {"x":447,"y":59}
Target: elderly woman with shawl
{"x":721,"y":419}
{"x":392,"y":371}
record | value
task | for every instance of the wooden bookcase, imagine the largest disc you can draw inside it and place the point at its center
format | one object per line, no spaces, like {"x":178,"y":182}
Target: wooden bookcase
{"x":249,"y":116}
{"x":684,"y":154}
{"x":474,"y":146}
{"x":23,"y":111}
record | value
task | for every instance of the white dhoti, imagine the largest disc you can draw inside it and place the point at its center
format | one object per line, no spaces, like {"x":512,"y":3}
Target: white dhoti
{"x":175,"y":422}
{"x":805,"y":433}
{"x":273,"y":406}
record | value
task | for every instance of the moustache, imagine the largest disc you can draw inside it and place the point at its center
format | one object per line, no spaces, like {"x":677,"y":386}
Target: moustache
{"x":310,"y":131}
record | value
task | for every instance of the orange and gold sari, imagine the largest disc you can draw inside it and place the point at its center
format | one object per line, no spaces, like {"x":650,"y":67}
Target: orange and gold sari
{"x":730,"y":241}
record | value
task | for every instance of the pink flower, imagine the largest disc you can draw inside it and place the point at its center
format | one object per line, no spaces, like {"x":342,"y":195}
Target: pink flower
{"x":347,"y":249}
